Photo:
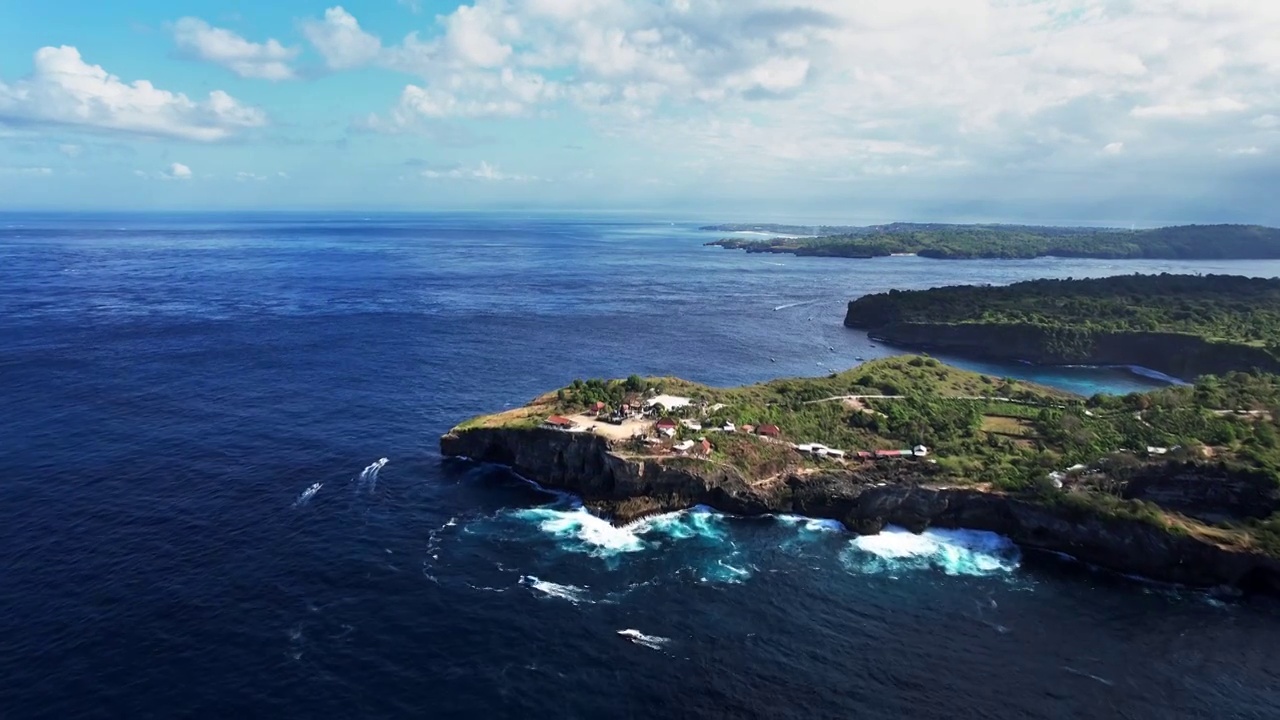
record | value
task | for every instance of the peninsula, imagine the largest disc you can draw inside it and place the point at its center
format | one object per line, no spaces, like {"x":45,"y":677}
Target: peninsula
{"x":1180,"y":325}
{"x":1179,"y":484}
{"x":959,"y":242}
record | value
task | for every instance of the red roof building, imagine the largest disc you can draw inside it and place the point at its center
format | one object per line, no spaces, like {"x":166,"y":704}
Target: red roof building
{"x":557,"y":421}
{"x":666,"y":424}
{"x":770,"y":430}
{"x":888,"y":453}
{"x":706,"y":446}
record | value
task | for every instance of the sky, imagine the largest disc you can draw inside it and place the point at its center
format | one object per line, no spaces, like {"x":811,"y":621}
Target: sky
{"x":1058,"y":111}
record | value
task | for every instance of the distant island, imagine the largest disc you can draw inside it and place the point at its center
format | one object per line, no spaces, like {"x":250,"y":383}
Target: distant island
{"x":1179,"y":325}
{"x":1179,"y":484}
{"x":959,"y":242}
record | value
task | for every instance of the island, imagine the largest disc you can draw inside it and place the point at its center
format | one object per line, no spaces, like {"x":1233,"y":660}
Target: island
{"x":1181,"y":484}
{"x":1181,"y":325}
{"x":959,"y":242}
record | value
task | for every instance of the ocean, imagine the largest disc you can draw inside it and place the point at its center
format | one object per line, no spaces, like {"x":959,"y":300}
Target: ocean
{"x":197,"y":520}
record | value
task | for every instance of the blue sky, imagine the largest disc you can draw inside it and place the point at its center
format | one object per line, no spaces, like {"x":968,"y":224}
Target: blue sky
{"x":1084,"y":111}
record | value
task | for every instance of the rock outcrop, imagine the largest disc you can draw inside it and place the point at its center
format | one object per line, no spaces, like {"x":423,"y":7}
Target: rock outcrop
{"x":865,"y":500}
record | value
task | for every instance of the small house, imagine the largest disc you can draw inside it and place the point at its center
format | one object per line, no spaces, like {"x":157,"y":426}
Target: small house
{"x":919,"y":451}
{"x":557,"y":422}
{"x":704,"y":447}
{"x":888,"y":453}
{"x":683,"y":447}
{"x":865,"y":454}
{"x":692,"y":424}
{"x":599,"y":407}
{"x":729,"y":427}
{"x":748,"y":429}
{"x":666,"y":426}
{"x":838,"y":454}
{"x":772,"y":431}
{"x":1152,"y":450}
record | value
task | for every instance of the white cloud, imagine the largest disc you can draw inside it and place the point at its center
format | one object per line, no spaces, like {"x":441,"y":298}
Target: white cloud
{"x":70,"y":150}
{"x":340,"y":40}
{"x":1113,"y":148}
{"x":243,"y":176}
{"x":266,"y":61}
{"x":482,"y":172}
{"x":175,"y":171}
{"x":1267,"y":122}
{"x":64,"y":89}
{"x":1190,"y":108}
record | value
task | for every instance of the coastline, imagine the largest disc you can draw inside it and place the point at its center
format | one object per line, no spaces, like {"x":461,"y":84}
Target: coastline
{"x":625,"y":490}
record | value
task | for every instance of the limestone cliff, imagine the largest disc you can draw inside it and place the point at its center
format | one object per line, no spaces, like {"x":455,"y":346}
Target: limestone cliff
{"x":865,"y":500}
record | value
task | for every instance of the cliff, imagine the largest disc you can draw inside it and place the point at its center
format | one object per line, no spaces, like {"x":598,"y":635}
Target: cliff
{"x":909,"y":494}
{"x":1175,"y":354}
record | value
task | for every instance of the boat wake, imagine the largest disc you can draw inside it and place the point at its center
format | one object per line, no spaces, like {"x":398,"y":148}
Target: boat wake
{"x":653,"y":642}
{"x":796,"y":304}
{"x":368,"y":479}
{"x":306,"y":495}
{"x":572,"y":593}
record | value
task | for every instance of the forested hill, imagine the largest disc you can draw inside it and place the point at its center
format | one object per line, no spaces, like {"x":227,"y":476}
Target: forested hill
{"x":1191,"y":242}
{"x":1217,"y":307}
{"x":1182,"y":325}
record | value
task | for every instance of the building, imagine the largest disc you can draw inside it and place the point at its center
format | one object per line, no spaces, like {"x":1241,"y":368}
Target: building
{"x":599,"y":408}
{"x":772,"y":431}
{"x":920,"y":451}
{"x":666,"y":426}
{"x":557,"y":422}
{"x":838,"y":454}
{"x":704,"y":447}
{"x":890,"y":453}
{"x":748,"y":428}
{"x":692,"y":424}
{"x":683,"y":447}
{"x":865,"y":454}
{"x":729,"y":427}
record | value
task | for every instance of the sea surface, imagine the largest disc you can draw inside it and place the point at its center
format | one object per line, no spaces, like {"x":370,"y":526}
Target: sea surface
{"x":197,"y":520}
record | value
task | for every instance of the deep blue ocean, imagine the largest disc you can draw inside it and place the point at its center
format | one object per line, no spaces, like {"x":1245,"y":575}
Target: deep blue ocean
{"x":194,"y":520}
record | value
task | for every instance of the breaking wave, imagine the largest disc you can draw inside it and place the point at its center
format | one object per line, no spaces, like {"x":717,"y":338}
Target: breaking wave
{"x":580,"y":531}
{"x":811,"y":524}
{"x":954,"y":552}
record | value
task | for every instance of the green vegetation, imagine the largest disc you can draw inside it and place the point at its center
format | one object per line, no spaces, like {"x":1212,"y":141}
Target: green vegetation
{"x":1215,"y":307}
{"x":1017,"y":241}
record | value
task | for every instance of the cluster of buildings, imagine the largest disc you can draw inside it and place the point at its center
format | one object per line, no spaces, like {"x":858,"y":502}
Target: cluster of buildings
{"x":821,"y":450}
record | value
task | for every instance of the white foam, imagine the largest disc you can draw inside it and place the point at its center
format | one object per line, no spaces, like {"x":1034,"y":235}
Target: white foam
{"x":954,"y":552}
{"x":583,"y":532}
{"x":697,"y":522}
{"x":306,"y":495}
{"x":795,"y":304}
{"x":572,"y":593}
{"x":652,"y":642}
{"x":812,"y":525}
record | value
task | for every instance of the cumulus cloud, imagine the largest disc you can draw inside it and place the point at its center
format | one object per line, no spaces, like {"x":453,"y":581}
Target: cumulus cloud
{"x":906,"y":87}
{"x":71,"y":150}
{"x":64,"y":89}
{"x":266,"y":61}
{"x":340,"y":40}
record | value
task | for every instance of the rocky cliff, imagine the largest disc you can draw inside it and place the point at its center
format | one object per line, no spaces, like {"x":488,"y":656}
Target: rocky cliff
{"x":1178,"y":355}
{"x":865,"y":500}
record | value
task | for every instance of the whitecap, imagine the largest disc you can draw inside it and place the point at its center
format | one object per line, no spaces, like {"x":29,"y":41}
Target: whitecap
{"x":954,"y":552}
{"x":572,"y":593}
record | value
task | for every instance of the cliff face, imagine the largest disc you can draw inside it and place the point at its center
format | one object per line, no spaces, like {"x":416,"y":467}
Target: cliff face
{"x":1178,"y":355}
{"x":905,"y":494}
